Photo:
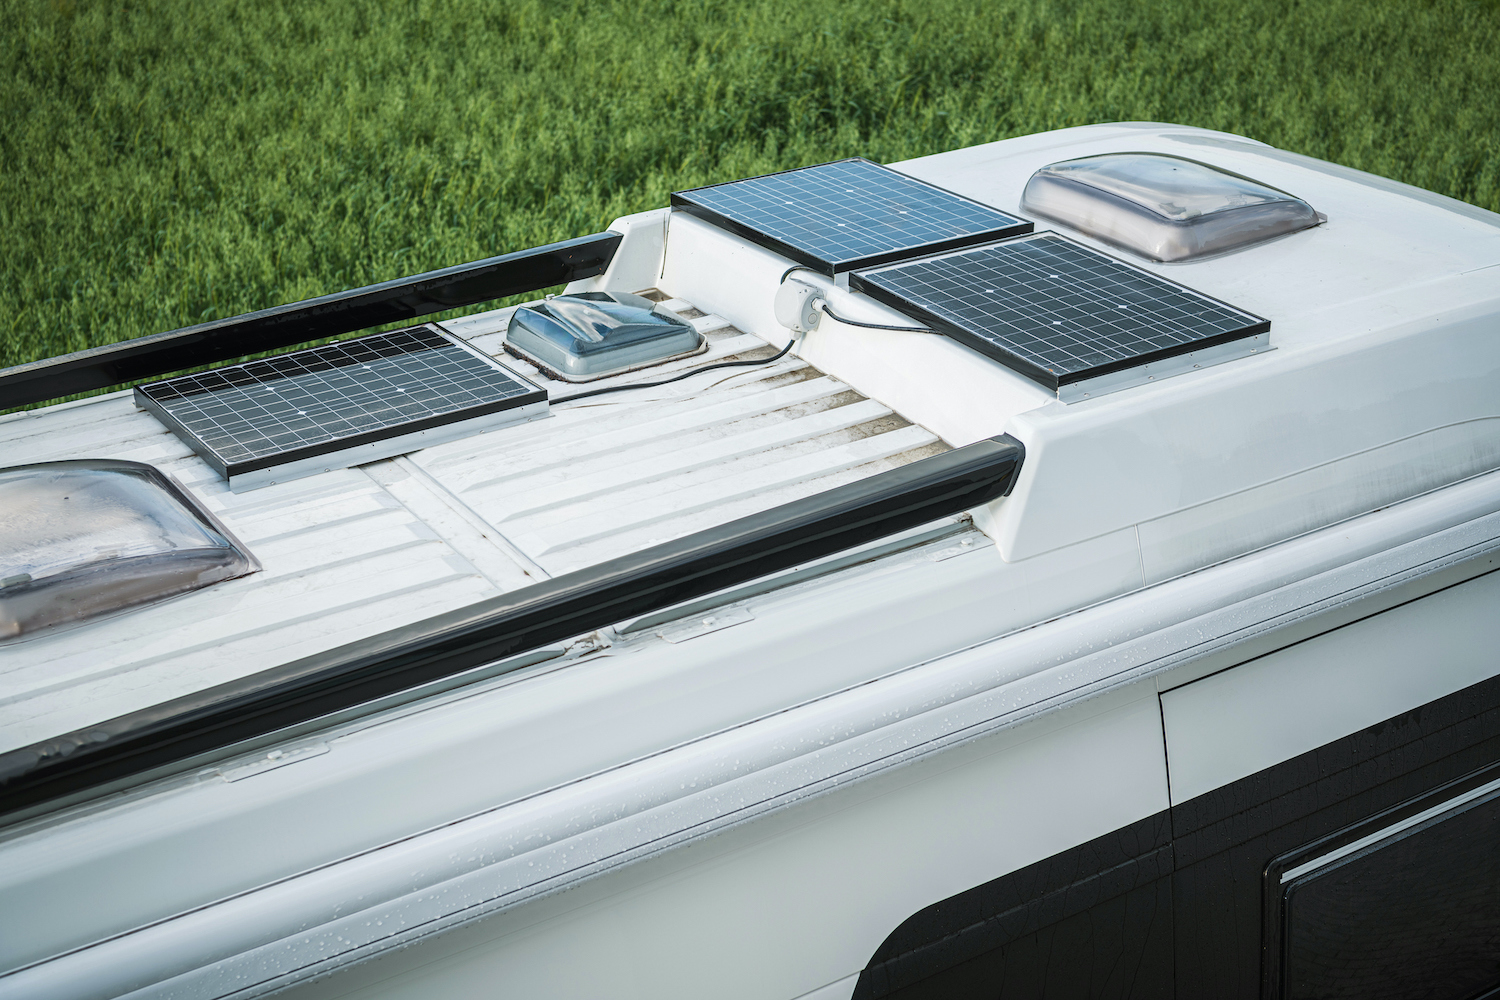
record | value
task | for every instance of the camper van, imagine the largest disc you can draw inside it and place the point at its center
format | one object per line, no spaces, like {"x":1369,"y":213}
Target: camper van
{"x":1063,"y":567}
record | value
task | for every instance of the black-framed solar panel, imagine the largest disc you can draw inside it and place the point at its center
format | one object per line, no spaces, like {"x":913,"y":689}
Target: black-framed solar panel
{"x":1059,"y":312}
{"x":339,"y":405}
{"x":848,"y":214}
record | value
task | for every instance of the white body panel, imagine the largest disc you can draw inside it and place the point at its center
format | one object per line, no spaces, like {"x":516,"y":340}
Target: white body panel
{"x":731,"y":916}
{"x":1244,"y":720}
{"x":749,"y":807}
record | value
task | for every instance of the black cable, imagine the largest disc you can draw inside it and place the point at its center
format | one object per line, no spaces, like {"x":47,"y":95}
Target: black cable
{"x":676,"y":378}
{"x":823,"y":305}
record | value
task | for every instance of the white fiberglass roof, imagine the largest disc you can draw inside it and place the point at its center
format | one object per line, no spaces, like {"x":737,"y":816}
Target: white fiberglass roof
{"x":1382,"y":383}
{"x":358,"y":551}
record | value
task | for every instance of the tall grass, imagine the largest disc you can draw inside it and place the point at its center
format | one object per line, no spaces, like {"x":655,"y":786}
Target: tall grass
{"x":170,"y":162}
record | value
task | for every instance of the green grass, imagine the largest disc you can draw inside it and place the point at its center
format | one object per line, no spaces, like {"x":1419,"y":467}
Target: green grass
{"x":167,"y":163}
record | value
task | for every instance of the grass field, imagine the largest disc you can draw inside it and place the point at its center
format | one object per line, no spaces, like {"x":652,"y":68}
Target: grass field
{"x":170,"y":162}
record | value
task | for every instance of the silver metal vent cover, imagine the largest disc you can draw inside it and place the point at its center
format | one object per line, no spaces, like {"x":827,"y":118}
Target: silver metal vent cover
{"x":591,"y":335}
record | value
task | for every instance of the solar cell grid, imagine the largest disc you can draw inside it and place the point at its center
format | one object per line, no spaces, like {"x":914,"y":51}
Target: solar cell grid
{"x":1057,"y":311}
{"x":266,"y":413}
{"x":847,"y":214}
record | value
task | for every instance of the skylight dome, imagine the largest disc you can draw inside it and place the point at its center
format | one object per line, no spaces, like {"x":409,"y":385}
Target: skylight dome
{"x":1164,"y":208}
{"x":85,"y":538}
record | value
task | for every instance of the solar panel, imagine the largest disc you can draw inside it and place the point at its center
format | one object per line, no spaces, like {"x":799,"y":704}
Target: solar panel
{"x":848,"y":214}
{"x":1061,"y":313}
{"x":338,"y":405}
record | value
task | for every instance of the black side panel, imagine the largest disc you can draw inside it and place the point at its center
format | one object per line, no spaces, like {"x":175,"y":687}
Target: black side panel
{"x":1225,"y":840}
{"x":650,"y":580}
{"x":1415,"y":916}
{"x":1200,"y":910}
{"x":1092,"y":922}
{"x":313,"y":319}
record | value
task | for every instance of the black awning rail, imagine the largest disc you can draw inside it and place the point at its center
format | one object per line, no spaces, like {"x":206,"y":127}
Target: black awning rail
{"x":311,"y":319}
{"x":219,"y":718}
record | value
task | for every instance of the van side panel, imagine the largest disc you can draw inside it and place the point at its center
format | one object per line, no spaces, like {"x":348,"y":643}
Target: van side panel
{"x":1190,"y":903}
{"x":1225,"y":839}
{"x":1092,"y":921}
{"x":798,"y":900}
{"x":1241,"y":721}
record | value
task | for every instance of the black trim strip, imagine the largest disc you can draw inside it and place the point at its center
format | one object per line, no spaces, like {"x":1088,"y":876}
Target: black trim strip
{"x":567,"y":606}
{"x":310,"y":319}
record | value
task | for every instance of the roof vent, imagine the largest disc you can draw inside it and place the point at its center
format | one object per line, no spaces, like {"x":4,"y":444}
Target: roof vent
{"x":586,"y":336}
{"x":86,"y":538}
{"x":1165,"y":208}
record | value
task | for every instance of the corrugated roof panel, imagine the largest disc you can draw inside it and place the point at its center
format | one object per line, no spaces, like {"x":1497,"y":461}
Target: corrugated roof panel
{"x":620,"y":472}
{"x":354,"y":552}
{"x":342,"y":558}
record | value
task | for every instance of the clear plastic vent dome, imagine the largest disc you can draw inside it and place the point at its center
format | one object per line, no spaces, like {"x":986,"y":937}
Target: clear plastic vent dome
{"x":1163,"y":207}
{"x":87,"y":538}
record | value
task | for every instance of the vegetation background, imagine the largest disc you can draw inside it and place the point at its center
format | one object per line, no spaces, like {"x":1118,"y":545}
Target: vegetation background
{"x":166,"y":162}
